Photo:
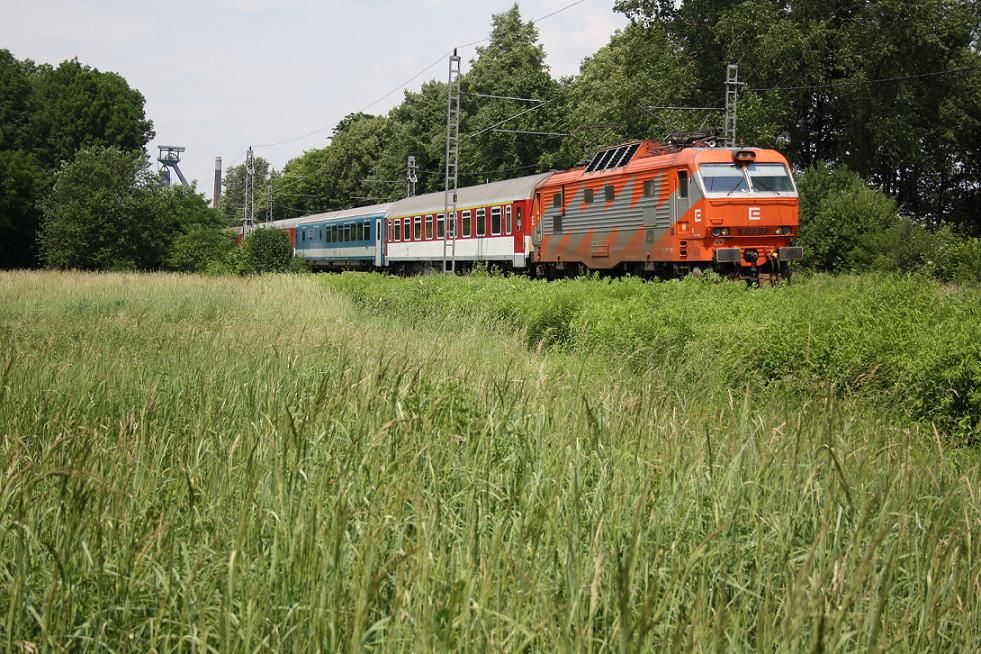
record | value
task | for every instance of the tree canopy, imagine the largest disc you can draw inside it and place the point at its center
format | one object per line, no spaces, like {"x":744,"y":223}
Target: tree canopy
{"x":46,"y":115}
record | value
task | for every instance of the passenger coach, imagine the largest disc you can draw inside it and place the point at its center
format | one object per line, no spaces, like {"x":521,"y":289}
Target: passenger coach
{"x":350,"y":239}
{"x":490,"y":225}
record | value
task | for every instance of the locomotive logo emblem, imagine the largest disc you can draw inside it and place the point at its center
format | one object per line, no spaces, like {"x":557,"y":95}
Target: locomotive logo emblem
{"x":754,"y":213}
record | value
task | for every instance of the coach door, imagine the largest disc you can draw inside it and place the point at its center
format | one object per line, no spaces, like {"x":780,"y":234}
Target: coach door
{"x":378,"y":242}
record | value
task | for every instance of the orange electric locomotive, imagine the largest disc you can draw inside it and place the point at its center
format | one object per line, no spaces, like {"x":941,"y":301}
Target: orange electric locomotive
{"x":668,"y":210}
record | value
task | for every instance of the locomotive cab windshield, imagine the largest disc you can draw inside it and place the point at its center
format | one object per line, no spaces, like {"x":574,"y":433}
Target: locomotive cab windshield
{"x":753,"y":179}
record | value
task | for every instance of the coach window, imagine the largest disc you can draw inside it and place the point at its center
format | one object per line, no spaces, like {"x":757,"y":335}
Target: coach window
{"x":429,"y":227}
{"x":303,"y":235}
{"x":440,"y":226}
{"x":452,"y":225}
{"x":495,"y":220}
{"x":398,"y":230}
{"x":407,"y":231}
{"x":466,"y":225}
{"x":588,"y":196}
{"x":557,"y":200}
{"x":682,"y":183}
{"x":417,"y":229}
{"x":481,"y":222}
{"x":507,"y":219}
{"x":610,"y":193}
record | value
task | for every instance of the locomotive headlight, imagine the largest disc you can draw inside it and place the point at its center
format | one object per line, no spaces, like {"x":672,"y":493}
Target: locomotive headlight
{"x":720,"y":231}
{"x":783,"y":230}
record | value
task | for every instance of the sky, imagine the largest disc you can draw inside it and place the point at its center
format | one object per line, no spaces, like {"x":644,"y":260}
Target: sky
{"x":220,"y":75}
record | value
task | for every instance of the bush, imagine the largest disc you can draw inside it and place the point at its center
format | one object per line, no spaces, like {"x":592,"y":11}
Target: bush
{"x":265,"y":250}
{"x":199,"y":249}
{"x":843,"y":222}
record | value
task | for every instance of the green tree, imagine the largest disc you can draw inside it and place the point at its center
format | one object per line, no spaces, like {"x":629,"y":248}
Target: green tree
{"x":416,"y":127}
{"x":103,"y":213}
{"x":46,"y":115}
{"x":192,"y":234}
{"x":76,"y":106}
{"x":511,"y":64}
{"x":610,"y":100}
{"x":339,"y":174}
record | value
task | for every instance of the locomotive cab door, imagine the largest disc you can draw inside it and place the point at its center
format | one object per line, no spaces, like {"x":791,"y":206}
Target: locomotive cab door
{"x":680,"y":195}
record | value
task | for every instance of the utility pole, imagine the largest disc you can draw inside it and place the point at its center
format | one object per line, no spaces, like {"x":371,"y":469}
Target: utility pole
{"x":269,"y":201}
{"x":410,"y":177}
{"x":452,"y":158}
{"x":248,"y":221}
{"x":732,"y":96}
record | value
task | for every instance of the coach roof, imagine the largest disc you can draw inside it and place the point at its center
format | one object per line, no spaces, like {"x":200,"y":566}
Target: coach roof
{"x":345,"y":214}
{"x":502,"y":192}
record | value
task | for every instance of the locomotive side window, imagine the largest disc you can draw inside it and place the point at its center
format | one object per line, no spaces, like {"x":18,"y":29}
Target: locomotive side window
{"x":609,"y":192}
{"x":588,"y":196}
{"x":466,"y":225}
{"x":495,"y":220}
{"x":557,"y":200}
{"x":417,"y":229}
{"x":682,"y":183}
{"x":481,"y":222}
{"x":507,"y":219}
{"x":649,"y":188}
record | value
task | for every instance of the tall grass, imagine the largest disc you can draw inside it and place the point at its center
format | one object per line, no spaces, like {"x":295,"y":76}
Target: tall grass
{"x":908,"y":343}
{"x":261,"y":465}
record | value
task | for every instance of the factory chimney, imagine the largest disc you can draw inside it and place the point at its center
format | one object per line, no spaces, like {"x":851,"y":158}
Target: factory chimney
{"x":217,"y":194}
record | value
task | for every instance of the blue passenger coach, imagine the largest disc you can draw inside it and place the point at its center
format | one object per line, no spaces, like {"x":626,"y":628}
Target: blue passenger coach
{"x":348,"y":239}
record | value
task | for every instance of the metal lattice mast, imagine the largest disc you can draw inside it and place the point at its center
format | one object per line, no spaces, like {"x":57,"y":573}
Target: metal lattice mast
{"x":452,"y":159}
{"x":732,"y":96}
{"x":248,"y":221}
{"x":410,"y":177}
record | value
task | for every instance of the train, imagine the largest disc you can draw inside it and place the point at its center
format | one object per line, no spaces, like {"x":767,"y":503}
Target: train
{"x":644,"y":208}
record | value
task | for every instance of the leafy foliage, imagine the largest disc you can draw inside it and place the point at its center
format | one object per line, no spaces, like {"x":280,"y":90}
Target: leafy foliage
{"x":199,"y":249}
{"x":46,"y":115}
{"x":102,"y":213}
{"x":265,"y":250}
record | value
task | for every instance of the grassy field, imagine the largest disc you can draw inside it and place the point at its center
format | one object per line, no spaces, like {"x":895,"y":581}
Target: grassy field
{"x":346,"y":463}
